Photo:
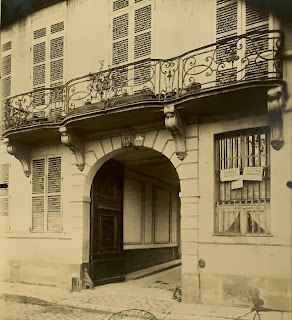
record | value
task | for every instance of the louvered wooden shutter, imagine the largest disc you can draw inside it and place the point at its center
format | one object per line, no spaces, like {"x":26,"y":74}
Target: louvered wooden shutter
{"x":120,"y":4}
{"x":4,"y":191}
{"x":38,"y":194}
{"x":6,"y":69}
{"x":57,"y":53}
{"x":226,"y":26}
{"x":54,"y":194}
{"x":142,"y":43}
{"x":256,"y":45}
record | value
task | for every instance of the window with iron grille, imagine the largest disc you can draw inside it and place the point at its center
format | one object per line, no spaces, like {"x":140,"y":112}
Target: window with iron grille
{"x":46,"y":195}
{"x":243,"y":200}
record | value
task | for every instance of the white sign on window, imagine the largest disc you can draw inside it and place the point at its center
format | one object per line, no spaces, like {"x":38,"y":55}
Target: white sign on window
{"x":253,"y":173}
{"x":237,"y":184}
{"x":229,"y":174}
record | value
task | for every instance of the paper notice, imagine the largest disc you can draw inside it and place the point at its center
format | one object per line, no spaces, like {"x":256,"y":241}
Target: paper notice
{"x":237,"y":184}
{"x":253,"y":173}
{"x":229,"y":174}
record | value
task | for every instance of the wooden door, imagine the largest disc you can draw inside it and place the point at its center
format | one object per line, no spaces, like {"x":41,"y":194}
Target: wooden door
{"x":106,"y":248}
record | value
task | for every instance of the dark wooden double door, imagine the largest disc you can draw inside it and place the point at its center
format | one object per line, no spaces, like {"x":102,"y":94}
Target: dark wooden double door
{"x":106,"y":248}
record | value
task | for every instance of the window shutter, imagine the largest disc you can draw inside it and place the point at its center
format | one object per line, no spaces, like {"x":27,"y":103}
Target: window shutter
{"x":6,"y":46}
{"x":120,"y":51}
{"x":39,"y":33}
{"x":4,"y":173}
{"x":57,"y":54}
{"x":6,"y":69}
{"x":38,"y":213}
{"x":4,"y":194}
{"x":142,"y":43}
{"x":39,"y":63}
{"x":120,"y":4}
{"x":54,"y":194}
{"x":226,"y":26}
{"x":38,"y":190}
{"x":54,"y":175}
{"x":57,"y":27}
{"x":256,"y":44}
{"x":6,"y":65}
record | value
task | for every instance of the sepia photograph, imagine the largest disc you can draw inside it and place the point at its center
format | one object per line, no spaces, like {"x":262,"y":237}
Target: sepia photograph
{"x":146,"y":160}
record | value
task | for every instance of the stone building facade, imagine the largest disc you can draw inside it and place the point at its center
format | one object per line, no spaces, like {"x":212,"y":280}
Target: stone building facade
{"x":138,"y":132}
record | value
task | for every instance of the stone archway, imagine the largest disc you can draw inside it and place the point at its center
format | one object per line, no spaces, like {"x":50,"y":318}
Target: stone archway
{"x":97,"y":152}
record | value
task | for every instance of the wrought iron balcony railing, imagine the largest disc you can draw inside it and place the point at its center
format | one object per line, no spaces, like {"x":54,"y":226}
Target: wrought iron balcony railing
{"x":233,"y":60}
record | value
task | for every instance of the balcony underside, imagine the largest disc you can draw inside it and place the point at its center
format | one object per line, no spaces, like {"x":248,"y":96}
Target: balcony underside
{"x":231,"y":76}
{"x":226,"y":102}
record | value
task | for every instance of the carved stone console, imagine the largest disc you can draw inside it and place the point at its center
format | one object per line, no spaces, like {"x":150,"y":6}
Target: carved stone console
{"x":276,"y":106}
{"x":76,"y":145}
{"x":21,"y":153}
{"x":174,"y":124}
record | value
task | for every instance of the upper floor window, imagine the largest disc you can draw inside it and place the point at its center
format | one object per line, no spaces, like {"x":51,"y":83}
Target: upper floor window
{"x":46,"y":194}
{"x":243,"y":183}
{"x":249,"y":56}
{"x":131,"y":41}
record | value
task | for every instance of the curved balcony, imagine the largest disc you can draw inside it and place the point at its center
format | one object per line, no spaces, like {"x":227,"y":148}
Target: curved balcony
{"x":235,"y":62}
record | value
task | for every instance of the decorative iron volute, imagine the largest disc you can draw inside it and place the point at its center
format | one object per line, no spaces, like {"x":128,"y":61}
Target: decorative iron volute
{"x":176,"y":127}
{"x":276,"y":104}
{"x":75,"y":144}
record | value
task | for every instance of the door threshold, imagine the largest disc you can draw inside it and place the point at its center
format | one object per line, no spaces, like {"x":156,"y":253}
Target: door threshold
{"x":152,"y":270}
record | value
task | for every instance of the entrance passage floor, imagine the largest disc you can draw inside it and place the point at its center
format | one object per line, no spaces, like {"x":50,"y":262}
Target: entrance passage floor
{"x":159,"y":286}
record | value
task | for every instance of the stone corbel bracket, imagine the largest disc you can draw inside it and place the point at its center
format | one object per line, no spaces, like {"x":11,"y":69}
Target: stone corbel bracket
{"x":23,"y":154}
{"x":175,"y":126}
{"x":276,"y":104}
{"x":75,"y":144}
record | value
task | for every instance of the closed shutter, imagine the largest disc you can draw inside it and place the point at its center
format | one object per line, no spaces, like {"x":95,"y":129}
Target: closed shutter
{"x":142,"y":44}
{"x":258,"y":44}
{"x":4,"y":191}
{"x":54,"y":194}
{"x":6,"y":69}
{"x":39,"y":59}
{"x":226,"y":26}
{"x":46,"y":195}
{"x":120,"y":4}
{"x":38,"y":194}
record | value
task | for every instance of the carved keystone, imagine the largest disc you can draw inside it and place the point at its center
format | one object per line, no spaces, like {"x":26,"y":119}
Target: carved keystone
{"x":175,"y":126}
{"x":75,"y":144}
{"x":21,"y":153}
{"x":275,"y":111}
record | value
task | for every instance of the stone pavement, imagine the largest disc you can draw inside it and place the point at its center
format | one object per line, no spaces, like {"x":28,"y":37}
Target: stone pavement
{"x":153,"y":294}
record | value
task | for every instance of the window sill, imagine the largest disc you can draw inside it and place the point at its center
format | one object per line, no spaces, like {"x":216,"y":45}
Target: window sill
{"x":148,"y":246}
{"x":243,"y":235}
{"x":38,"y":235}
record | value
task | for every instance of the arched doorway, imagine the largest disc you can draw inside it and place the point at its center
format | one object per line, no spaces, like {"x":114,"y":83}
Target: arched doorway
{"x":134,"y":219}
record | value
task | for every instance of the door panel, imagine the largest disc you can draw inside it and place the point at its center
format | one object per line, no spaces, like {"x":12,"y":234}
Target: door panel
{"x":106,"y":249}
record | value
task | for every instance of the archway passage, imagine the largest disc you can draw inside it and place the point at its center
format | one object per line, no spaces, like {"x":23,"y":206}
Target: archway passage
{"x":134,"y":215}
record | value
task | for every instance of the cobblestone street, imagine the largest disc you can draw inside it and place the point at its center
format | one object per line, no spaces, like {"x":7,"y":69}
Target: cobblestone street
{"x":17,"y":310}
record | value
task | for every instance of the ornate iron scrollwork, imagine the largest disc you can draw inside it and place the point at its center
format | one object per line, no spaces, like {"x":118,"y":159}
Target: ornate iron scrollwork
{"x":174,"y":124}
{"x":75,"y":144}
